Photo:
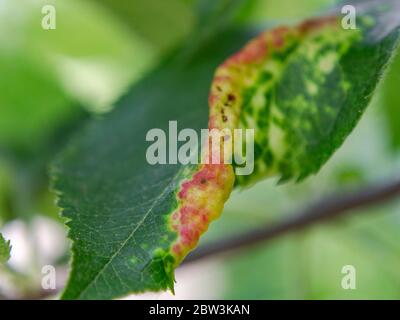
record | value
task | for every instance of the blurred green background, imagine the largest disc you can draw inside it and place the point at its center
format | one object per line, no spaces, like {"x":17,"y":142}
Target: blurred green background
{"x":51,"y":81}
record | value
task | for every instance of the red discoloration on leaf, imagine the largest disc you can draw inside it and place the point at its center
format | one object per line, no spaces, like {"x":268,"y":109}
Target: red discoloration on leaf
{"x":221,"y":78}
{"x":317,"y":23}
{"x":278,"y":36}
{"x":200,"y":200}
{"x":211,"y":99}
{"x":201,"y":197}
{"x":254,"y":52}
{"x":211,"y":122}
{"x":238,"y":71}
{"x":208,"y":173}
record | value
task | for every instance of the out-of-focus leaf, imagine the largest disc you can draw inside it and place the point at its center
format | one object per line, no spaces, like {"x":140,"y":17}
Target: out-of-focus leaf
{"x":161,"y":23}
{"x":5,"y":250}
{"x":391,"y":102}
{"x":35,"y":117}
{"x":43,"y":73}
{"x":5,"y":183}
{"x":91,"y":54}
{"x":32,"y":104}
{"x":262,"y":10}
{"x":213,"y":15}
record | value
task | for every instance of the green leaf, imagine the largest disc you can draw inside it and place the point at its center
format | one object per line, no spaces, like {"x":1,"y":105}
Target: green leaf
{"x":284,"y":9}
{"x":174,"y":19}
{"x":121,"y":235}
{"x":132,"y":223}
{"x":5,"y":250}
{"x":119,"y":209}
{"x":302,"y":89}
{"x":391,"y":103}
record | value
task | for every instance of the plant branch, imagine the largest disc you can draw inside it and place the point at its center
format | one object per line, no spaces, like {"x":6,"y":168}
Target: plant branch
{"x":327,"y":209}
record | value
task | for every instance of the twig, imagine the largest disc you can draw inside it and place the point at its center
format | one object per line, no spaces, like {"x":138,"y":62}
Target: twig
{"x":327,"y":209}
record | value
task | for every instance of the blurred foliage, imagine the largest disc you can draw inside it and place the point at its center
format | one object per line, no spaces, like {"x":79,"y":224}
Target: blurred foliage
{"x":262,"y":11}
{"x":162,"y":23}
{"x":308,"y":265}
{"x":47,"y":77}
{"x":101,"y":48}
{"x":33,"y":104}
{"x":391,"y":102}
{"x":5,"y":249}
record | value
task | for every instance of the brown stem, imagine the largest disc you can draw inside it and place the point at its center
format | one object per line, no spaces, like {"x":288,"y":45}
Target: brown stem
{"x":332,"y":207}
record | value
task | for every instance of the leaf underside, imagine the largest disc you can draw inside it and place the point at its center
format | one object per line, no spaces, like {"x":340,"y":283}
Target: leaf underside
{"x":301,"y":88}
